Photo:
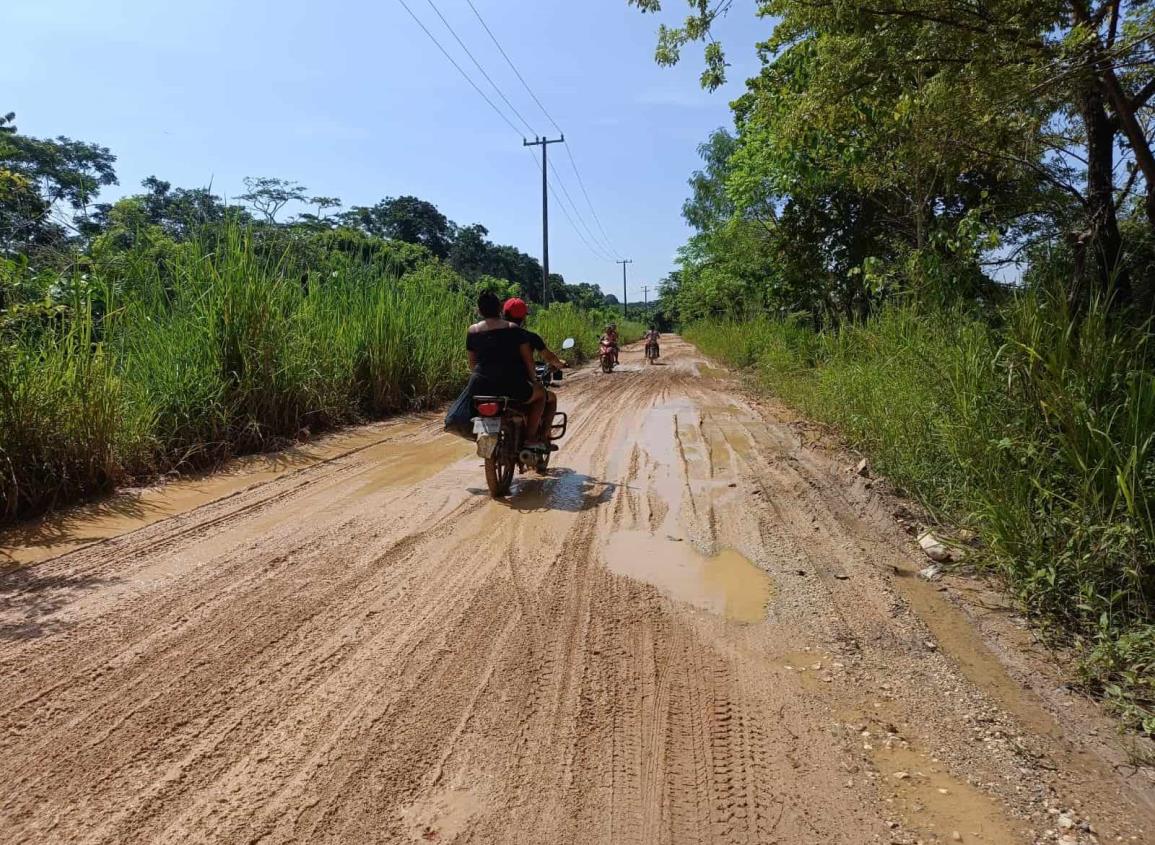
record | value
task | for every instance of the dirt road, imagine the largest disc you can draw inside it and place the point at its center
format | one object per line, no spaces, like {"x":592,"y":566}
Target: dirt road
{"x":697,"y":629}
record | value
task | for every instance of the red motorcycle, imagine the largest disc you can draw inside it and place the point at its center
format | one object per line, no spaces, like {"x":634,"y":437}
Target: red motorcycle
{"x":606,"y":356}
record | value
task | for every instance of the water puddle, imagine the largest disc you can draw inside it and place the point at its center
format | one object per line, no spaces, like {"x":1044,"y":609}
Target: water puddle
{"x":935,"y":804}
{"x":725,"y":583}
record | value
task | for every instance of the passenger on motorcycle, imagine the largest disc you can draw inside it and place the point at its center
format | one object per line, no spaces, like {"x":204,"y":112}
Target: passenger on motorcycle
{"x":515,"y":311}
{"x":610,"y":339}
{"x":501,"y":359}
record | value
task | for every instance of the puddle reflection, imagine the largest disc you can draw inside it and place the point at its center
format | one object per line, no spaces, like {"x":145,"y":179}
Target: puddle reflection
{"x":559,"y":490}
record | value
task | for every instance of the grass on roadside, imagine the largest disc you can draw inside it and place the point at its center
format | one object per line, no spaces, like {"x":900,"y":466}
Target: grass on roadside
{"x":1034,"y":429}
{"x":225,"y":354}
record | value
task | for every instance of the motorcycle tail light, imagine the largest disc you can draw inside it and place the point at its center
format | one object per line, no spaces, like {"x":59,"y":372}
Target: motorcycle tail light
{"x":488,"y":409}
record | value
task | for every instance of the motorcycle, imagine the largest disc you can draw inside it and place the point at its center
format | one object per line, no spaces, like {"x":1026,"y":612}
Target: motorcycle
{"x":501,"y":429}
{"x":606,"y":357}
{"x":651,"y":352}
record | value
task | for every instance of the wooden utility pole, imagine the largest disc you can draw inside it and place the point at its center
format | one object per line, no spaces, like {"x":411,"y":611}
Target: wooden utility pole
{"x":625,"y":296}
{"x":544,"y":143}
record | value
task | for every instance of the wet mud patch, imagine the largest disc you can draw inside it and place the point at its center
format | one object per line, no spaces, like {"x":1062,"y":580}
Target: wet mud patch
{"x":725,"y":583}
{"x":954,"y":634}
{"x":935,"y":804}
{"x":395,"y":453}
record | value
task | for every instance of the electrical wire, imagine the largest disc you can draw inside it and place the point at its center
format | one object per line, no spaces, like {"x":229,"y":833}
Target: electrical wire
{"x":513,"y":67}
{"x":477,"y":64}
{"x":468,"y":78}
{"x":595,"y":248}
{"x":573,"y":162}
{"x":574,"y":206}
{"x":557,"y":198}
{"x":589,"y":202}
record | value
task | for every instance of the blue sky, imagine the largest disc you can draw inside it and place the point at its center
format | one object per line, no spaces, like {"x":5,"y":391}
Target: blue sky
{"x":351,"y":99}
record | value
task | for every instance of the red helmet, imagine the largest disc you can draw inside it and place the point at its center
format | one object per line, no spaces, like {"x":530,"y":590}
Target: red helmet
{"x":515,"y":309}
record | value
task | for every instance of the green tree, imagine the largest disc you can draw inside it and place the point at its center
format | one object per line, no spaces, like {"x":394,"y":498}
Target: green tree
{"x":47,"y":186}
{"x":1014,"y":115}
{"x":406,"y":218}
{"x":268,"y":195}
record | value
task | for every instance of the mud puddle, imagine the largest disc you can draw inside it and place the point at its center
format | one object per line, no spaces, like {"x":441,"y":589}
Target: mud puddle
{"x":398,"y":446}
{"x":955,"y":635}
{"x":935,"y":804}
{"x":725,"y":583}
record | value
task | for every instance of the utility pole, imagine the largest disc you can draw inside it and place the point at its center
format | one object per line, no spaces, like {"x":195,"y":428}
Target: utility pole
{"x":625,"y":296}
{"x":544,"y":143}
{"x":646,"y":294}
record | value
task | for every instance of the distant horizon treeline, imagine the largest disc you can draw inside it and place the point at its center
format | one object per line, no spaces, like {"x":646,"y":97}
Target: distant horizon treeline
{"x":51,"y":221}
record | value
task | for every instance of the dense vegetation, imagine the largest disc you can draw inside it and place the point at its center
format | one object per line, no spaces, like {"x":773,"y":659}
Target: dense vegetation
{"x":932,"y":224}
{"x":169,"y":330}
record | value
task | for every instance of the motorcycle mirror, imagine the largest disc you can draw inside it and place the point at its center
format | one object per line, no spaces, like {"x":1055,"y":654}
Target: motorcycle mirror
{"x":567,"y":343}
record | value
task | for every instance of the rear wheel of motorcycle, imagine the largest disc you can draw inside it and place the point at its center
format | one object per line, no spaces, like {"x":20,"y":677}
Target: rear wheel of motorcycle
{"x":498,"y":475}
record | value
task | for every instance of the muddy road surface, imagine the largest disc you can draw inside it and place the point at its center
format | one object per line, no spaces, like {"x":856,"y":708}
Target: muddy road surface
{"x":695,"y":629}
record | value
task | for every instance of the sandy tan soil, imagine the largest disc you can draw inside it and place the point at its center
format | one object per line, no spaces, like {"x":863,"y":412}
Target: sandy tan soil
{"x":696,"y":629}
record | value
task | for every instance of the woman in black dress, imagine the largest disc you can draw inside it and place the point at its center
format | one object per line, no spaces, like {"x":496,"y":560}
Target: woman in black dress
{"x":502,"y":363}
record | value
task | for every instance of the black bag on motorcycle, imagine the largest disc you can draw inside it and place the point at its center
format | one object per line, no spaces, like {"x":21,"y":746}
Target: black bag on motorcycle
{"x":459,"y":419}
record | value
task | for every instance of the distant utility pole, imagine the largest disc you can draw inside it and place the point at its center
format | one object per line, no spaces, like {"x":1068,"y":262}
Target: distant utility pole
{"x":625,"y":296}
{"x":646,"y":294}
{"x":544,"y":143}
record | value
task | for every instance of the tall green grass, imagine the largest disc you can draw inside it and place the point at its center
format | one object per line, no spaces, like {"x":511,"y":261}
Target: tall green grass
{"x":225,"y":353}
{"x":1034,"y":428}
{"x":564,"y":320}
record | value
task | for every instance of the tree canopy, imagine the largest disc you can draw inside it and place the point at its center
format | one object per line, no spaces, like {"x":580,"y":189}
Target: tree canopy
{"x":926,"y":147}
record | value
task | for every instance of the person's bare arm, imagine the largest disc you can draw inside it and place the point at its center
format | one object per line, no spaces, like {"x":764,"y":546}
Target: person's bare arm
{"x":552,"y":359}
{"x":472,"y":360}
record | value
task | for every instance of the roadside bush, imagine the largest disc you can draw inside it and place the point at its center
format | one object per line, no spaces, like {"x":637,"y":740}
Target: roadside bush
{"x":1032,"y":427}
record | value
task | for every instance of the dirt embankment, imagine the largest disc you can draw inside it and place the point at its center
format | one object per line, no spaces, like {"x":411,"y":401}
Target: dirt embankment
{"x":695,"y":629}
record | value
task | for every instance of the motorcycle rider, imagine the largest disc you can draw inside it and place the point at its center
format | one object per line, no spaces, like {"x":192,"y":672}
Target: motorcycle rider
{"x":652,"y":338}
{"x":515,"y":311}
{"x":502,"y":363}
{"x":610,"y":339}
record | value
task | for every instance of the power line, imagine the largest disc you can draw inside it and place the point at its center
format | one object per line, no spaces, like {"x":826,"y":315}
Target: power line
{"x":468,"y":78}
{"x":569,"y":218}
{"x":589,"y":202}
{"x":512,"y":66}
{"x":597,"y":251}
{"x":549,"y":117}
{"x":594,"y":251}
{"x":477,"y":64}
{"x":574,"y":206}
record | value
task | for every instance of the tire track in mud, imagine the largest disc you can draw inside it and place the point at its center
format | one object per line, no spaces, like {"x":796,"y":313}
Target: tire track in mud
{"x":341,"y":655}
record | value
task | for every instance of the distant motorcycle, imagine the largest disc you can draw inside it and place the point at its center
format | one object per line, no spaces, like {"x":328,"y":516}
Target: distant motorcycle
{"x":651,"y":352}
{"x":500,"y":426}
{"x":606,"y":357}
